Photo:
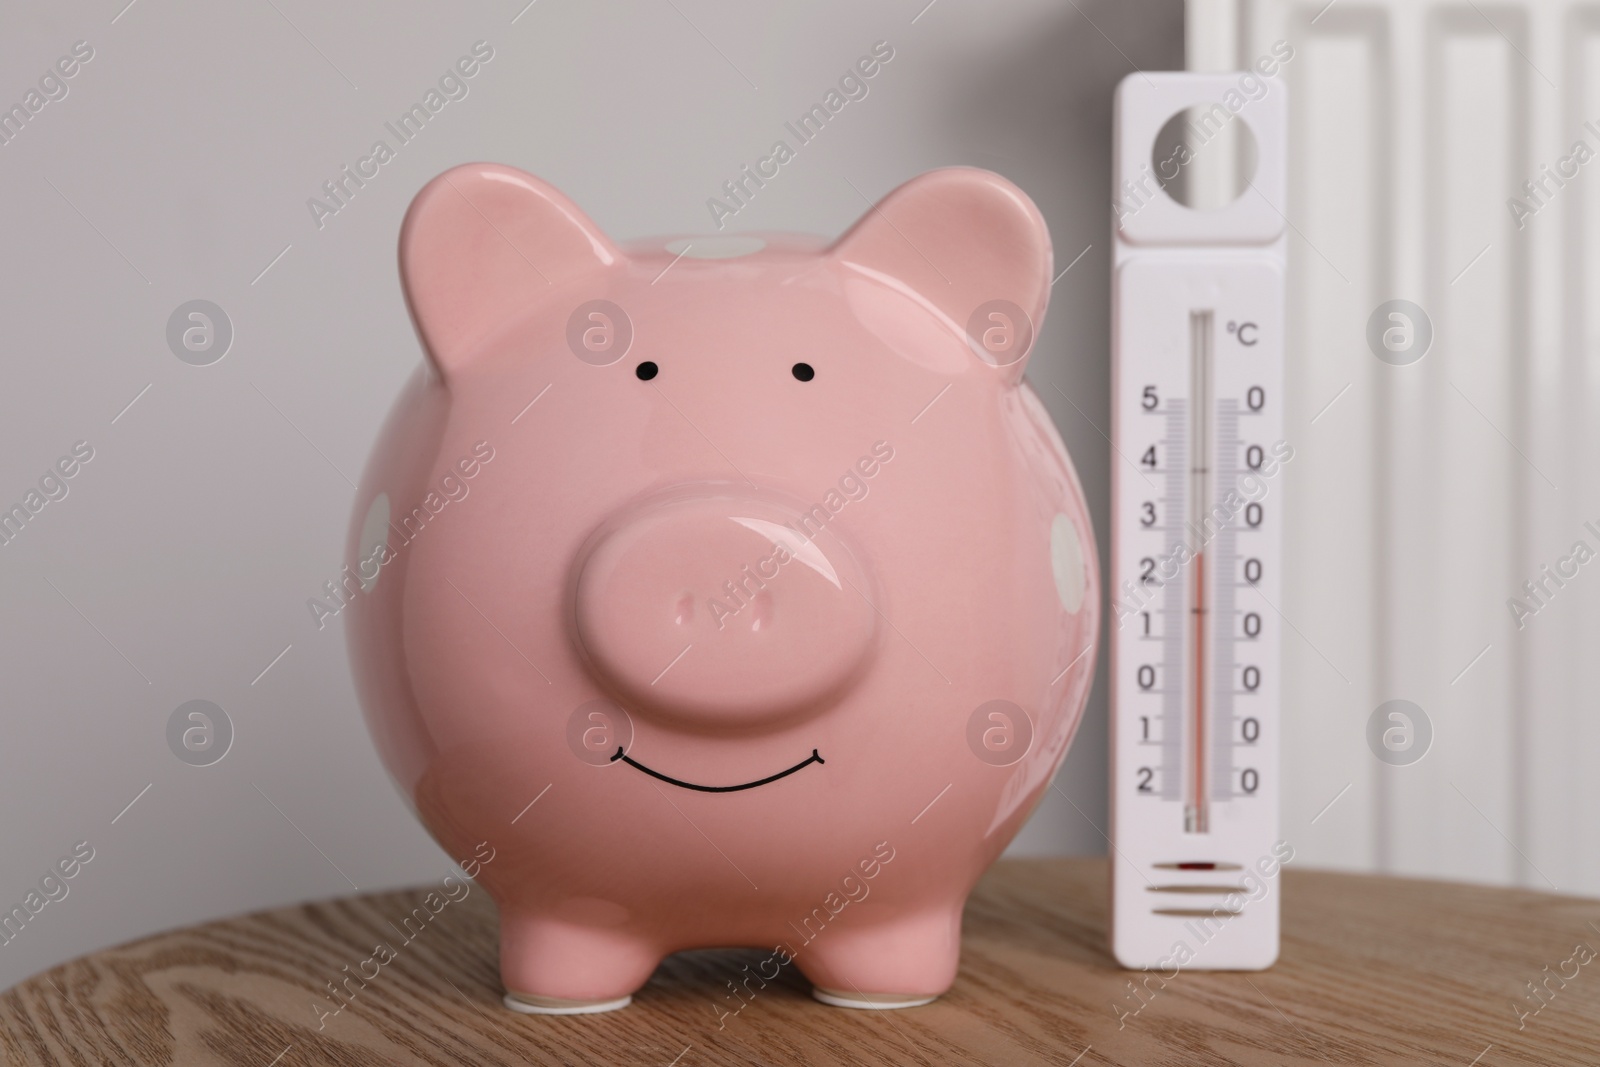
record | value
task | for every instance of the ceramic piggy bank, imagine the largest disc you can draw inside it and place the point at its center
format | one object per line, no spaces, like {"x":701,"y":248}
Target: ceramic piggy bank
{"x":723,"y":591}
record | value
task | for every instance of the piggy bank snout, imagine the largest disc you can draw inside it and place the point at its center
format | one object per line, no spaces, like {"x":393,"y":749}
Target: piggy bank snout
{"x":720,"y":612}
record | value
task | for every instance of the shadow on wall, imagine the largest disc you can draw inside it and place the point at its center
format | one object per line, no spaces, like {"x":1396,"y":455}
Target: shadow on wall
{"x":1041,"y":115}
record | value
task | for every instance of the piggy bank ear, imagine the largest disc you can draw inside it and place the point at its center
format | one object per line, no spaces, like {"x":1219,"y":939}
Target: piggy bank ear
{"x":972,"y":248}
{"x":481,"y":241}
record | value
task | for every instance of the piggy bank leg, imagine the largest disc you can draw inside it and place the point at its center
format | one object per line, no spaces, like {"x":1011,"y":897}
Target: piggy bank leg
{"x":900,"y":962}
{"x":551,"y":967}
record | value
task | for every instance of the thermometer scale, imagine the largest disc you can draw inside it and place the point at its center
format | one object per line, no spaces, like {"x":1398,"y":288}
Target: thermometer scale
{"x":1197,"y":400}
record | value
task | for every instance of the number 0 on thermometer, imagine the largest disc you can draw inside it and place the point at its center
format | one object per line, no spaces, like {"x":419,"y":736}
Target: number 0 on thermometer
{"x":1197,"y":408}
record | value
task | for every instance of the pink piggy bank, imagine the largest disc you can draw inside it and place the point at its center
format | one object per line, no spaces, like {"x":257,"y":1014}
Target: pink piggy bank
{"x":723,"y":591}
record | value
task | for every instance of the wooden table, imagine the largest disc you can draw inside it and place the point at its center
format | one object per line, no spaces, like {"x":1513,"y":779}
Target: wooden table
{"x":1374,"y":970}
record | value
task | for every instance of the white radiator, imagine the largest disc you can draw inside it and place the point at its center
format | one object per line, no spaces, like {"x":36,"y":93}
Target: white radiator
{"x":1434,"y":158}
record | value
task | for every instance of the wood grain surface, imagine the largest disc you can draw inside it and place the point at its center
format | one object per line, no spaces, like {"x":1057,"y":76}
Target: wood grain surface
{"x":1373,"y":970}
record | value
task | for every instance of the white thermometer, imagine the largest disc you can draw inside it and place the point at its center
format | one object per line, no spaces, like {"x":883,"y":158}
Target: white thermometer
{"x":1197,"y":506}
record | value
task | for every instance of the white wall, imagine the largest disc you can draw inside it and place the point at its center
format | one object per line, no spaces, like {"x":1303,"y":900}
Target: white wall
{"x":178,"y":166}
{"x":1425,"y":496}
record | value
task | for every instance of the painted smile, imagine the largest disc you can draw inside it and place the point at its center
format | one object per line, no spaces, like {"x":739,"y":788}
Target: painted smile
{"x":813,"y":758}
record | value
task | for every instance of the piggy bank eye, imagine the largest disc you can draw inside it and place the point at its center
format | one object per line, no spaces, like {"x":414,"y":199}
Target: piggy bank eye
{"x":646,"y":371}
{"x":803,"y":371}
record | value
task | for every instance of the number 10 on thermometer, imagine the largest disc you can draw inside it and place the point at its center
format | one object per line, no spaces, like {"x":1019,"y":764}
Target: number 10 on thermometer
{"x":1197,"y":403}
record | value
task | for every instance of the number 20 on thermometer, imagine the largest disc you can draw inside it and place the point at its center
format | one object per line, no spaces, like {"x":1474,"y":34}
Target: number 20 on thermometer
{"x":1197,"y":401}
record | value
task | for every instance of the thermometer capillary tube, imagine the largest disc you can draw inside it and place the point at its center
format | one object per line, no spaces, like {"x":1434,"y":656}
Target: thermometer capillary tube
{"x":1196,"y":818}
